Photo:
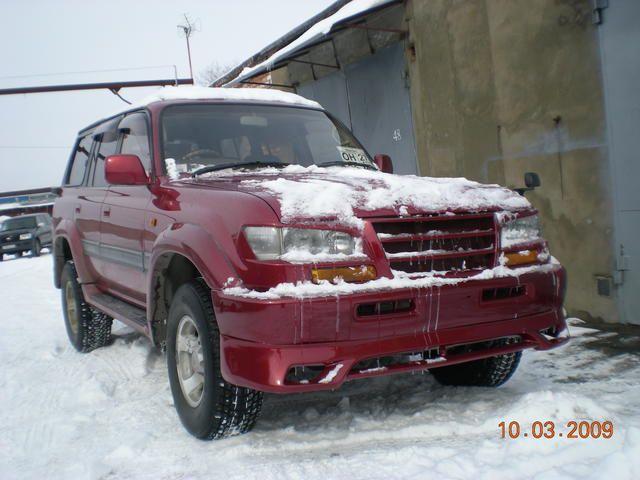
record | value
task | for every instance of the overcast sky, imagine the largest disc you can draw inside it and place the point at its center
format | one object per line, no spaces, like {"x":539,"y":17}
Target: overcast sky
{"x":52,"y":37}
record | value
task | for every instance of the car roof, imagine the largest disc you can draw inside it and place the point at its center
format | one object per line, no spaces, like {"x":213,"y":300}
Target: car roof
{"x":178,"y":95}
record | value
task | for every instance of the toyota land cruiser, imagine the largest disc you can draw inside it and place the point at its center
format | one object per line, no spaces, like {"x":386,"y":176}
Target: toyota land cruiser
{"x":249,"y":234}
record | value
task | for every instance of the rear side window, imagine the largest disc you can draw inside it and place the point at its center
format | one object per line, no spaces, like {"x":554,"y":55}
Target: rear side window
{"x":80,"y":162}
{"x":135,"y":138}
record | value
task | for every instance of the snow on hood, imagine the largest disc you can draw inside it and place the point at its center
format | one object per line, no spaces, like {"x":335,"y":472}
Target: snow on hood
{"x":233,"y":94}
{"x":344,"y":194}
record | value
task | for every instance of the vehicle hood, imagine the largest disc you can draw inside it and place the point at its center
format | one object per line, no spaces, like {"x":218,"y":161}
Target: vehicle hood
{"x":347,"y":195}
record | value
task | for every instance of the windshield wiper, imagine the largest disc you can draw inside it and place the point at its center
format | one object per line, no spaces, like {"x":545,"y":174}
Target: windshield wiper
{"x":350,"y":164}
{"x":214,"y":168}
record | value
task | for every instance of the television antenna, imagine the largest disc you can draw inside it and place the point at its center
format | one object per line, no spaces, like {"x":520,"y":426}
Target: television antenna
{"x":188,"y":28}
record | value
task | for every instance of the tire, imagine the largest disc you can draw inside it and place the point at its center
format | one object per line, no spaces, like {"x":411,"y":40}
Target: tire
{"x":87,"y":327}
{"x":487,"y":372}
{"x":211,"y":408}
{"x":37,"y":247}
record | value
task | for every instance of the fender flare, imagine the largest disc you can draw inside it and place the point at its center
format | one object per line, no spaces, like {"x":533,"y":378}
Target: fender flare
{"x":202,"y":250}
{"x":67,"y":230}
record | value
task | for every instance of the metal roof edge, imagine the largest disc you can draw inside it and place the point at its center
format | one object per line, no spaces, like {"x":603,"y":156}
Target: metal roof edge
{"x":280,"y":43}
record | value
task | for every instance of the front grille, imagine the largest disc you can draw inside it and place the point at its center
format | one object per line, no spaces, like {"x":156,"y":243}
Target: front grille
{"x":440,"y":243}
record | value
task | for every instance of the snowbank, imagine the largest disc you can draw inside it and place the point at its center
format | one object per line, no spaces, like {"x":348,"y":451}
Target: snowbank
{"x":109,"y":414}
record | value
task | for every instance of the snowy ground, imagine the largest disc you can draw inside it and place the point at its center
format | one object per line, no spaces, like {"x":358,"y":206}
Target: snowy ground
{"x":109,"y":414}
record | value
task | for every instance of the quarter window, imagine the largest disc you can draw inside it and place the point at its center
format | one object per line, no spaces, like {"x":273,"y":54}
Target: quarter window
{"x":80,"y":162}
{"x":135,"y":138}
{"x":108,"y":142}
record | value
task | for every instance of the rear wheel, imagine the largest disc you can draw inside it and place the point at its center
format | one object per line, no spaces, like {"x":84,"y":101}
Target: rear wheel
{"x":487,"y":372}
{"x":87,"y":327}
{"x":207,"y":405}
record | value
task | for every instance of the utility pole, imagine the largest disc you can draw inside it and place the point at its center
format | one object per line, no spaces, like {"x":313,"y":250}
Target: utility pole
{"x":188,"y":28}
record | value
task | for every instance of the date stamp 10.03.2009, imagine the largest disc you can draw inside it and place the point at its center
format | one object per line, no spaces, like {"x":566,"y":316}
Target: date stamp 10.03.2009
{"x":549,"y":429}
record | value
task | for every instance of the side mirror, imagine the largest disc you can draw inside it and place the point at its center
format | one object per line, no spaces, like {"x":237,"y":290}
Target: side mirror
{"x":532,"y":180}
{"x":384,"y":163}
{"x":125,"y":170}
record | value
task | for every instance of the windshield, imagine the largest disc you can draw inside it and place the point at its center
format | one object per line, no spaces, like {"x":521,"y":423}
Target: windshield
{"x":18,"y":223}
{"x":243,"y":136}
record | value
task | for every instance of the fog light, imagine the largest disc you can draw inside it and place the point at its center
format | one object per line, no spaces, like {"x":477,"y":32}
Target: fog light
{"x":362,"y":273}
{"x":521,"y":258}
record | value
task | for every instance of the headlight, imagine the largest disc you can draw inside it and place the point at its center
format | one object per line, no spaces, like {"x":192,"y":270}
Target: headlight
{"x":298,"y":244}
{"x":520,"y":231}
{"x":25,"y":236}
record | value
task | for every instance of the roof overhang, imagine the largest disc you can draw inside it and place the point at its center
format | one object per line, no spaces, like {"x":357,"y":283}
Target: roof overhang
{"x":355,"y":30}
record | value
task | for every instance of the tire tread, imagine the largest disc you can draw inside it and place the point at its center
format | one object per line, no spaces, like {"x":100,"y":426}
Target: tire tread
{"x":94,"y":326}
{"x":487,"y":372}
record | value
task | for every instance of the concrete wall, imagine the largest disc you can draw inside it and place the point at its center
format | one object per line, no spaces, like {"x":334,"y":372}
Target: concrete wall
{"x":501,"y":87}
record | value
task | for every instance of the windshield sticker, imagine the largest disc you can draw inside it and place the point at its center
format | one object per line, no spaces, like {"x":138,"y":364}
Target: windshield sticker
{"x":353,"y":155}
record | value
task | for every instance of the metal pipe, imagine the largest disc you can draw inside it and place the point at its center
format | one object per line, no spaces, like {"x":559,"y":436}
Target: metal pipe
{"x":96,"y":86}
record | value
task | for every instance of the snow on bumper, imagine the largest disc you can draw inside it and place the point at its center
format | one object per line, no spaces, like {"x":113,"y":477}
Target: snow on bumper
{"x":264,"y":338}
{"x":268,"y":367}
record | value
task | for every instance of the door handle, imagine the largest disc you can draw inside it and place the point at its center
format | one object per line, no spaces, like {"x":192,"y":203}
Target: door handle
{"x":106,"y":212}
{"x":78,"y":208}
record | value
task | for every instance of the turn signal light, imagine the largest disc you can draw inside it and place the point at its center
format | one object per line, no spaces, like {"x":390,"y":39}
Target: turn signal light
{"x":362,"y":273}
{"x":521,"y":258}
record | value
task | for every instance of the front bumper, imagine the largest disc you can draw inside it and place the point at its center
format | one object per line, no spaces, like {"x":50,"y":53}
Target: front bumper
{"x":16,"y":247}
{"x":263,"y":340}
{"x":265,"y":367}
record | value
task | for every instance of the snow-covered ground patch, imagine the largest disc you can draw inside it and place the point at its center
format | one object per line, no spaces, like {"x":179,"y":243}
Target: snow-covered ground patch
{"x":109,"y":414}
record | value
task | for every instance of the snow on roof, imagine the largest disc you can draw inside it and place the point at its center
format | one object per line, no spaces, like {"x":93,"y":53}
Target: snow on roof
{"x":352,"y":9}
{"x":232,"y":94}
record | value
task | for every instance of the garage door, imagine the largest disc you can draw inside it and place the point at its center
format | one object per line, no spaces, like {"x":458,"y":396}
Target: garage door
{"x":372,"y":98}
{"x":620,"y":43}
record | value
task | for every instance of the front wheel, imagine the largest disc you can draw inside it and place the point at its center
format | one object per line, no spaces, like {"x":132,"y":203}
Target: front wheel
{"x":486,"y":372}
{"x":37,"y":247}
{"x":208,"y":406}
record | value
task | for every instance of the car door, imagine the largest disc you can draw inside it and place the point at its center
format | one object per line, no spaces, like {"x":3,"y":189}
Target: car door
{"x":124,"y":216}
{"x":82,"y":203}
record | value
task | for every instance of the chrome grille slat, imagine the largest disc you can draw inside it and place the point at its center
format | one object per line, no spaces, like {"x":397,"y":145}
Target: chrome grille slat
{"x":438,"y":243}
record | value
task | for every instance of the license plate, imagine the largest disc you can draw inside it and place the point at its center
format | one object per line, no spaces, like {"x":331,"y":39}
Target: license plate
{"x":8,"y":247}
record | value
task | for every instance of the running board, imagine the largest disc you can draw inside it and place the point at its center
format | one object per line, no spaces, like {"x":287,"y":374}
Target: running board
{"x":120,"y":310}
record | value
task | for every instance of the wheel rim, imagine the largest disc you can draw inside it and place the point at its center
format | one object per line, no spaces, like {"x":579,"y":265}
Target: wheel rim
{"x":72,"y":311}
{"x":190,"y":361}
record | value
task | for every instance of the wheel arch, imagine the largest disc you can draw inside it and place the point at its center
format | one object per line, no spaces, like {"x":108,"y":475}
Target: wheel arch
{"x":174,"y":263}
{"x":68,"y":246}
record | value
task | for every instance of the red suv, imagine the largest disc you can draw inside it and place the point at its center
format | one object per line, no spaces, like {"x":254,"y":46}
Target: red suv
{"x":249,"y":234}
